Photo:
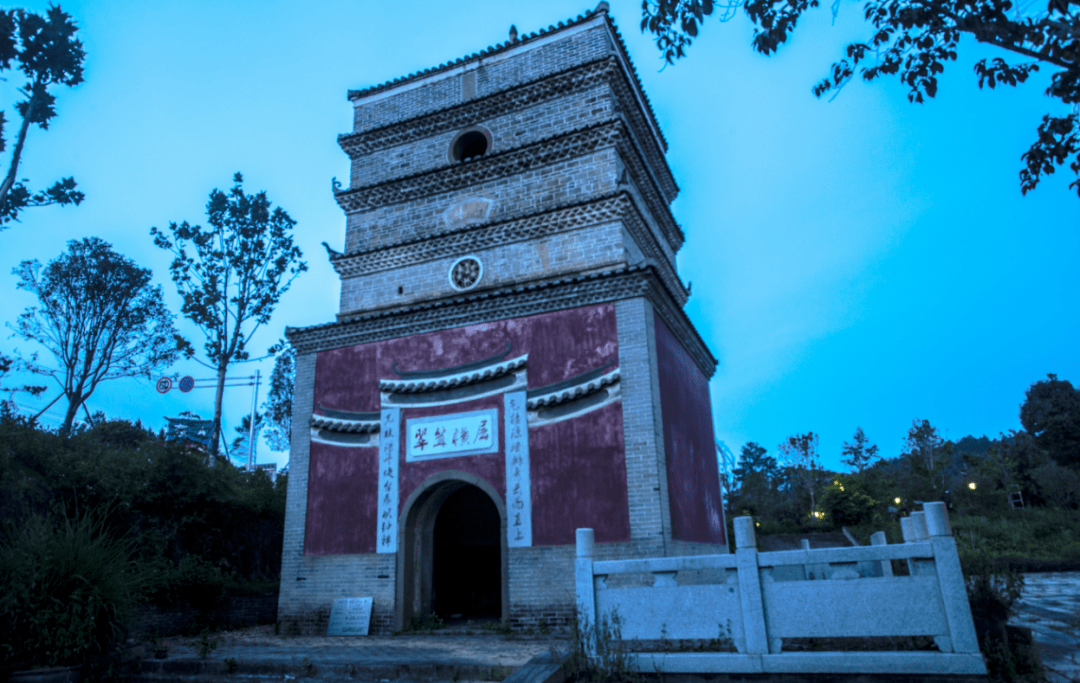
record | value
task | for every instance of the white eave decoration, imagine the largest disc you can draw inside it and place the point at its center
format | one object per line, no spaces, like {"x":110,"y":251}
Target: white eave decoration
{"x":419,"y":384}
{"x":335,"y":424}
{"x":577,"y":391}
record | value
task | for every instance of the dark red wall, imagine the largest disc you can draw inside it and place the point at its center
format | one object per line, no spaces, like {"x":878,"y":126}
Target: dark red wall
{"x":580,"y":478}
{"x":341,"y":514}
{"x":560,"y":345}
{"x":689,"y":444}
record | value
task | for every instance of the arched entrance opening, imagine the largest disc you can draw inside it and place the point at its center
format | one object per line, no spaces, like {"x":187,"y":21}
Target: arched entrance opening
{"x":452,"y":559}
{"x":465,"y":579}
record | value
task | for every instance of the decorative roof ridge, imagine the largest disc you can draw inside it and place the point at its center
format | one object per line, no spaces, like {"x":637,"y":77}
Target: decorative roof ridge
{"x":577,"y":391}
{"x":617,"y":119}
{"x":347,"y":414}
{"x":601,"y":9}
{"x":417,"y":385}
{"x":334,"y":424}
{"x":485,"y":294}
{"x":337,"y":256}
{"x":345,"y":137}
{"x":487,"y":52}
{"x":574,"y":380}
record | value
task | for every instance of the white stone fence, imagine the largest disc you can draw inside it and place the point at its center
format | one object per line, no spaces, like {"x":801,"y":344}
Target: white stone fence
{"x":759,"y":599}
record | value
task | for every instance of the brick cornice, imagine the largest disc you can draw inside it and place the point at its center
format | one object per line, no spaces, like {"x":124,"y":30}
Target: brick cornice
{"x":510,"y":302}
{"x":576,"y":79}
{"x":479,"y":170}
{"x":620,"y":206}
{"x":611,"y":133}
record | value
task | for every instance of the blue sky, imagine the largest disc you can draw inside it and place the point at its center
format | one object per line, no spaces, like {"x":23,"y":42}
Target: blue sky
{"x":860,"y":262}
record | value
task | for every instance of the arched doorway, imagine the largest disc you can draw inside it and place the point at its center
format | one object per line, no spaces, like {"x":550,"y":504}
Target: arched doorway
{"x":465,"y":577}
{"x":452,"y":558}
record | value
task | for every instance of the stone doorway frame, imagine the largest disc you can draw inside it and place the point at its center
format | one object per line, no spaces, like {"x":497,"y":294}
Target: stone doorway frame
{"x":416,"y":539}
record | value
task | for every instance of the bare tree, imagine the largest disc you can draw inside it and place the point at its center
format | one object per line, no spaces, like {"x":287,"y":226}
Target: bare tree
{"x":99,"y":317}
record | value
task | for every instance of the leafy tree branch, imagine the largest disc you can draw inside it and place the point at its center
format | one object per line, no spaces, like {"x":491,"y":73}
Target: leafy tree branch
{"x":232,"y":274}
{"x":100,"y":318}
{"x":913,"y":40}
{"x":47,"y":53}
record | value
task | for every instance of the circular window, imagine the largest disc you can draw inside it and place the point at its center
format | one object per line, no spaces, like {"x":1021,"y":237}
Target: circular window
{"x":469,"y":144}
{"x":466,"y":272}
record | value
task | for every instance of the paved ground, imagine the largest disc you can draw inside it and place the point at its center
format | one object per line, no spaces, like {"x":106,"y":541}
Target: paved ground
{"x":260,"y":654}
{"x":1050,"y":606}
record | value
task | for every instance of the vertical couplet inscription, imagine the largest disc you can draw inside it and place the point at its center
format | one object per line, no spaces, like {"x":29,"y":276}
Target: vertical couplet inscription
{"x":390,"y":425}
{"x":518,"y":498}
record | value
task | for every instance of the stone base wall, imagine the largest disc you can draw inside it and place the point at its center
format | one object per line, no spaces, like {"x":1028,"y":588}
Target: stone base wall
{"x":304,"y":605}
{"x":157,"y":622}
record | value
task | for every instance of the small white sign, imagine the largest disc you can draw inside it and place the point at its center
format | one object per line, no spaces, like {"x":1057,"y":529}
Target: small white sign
{"x":349,"y":617}
{"x":445,"y":436}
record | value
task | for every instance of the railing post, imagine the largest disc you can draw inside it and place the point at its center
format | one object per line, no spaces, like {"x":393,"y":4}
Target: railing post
{"x":586,"y":595}
{"x":878,"y":538}
{"x":753,"y":610}
{"x":951,"y":579}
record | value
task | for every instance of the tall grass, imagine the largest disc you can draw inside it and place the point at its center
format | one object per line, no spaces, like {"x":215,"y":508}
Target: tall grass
{"x":67,"y":588}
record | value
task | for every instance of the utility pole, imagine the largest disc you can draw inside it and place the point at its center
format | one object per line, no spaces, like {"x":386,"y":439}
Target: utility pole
{"x":251,"y":431}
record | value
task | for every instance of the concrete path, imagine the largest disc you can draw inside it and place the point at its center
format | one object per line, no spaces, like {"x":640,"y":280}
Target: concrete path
{"x":1050,"y":607}
{"x":259,"y":654}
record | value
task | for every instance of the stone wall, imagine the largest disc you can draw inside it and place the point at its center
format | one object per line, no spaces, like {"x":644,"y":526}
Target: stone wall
{"x":156,"y":622}
{"x":500,"y":72}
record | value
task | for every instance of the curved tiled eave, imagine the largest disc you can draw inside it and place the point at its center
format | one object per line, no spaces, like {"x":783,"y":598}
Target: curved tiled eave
{"x":420,"y":384}
{"x":573,"y":392}
{"x":334,"y":424}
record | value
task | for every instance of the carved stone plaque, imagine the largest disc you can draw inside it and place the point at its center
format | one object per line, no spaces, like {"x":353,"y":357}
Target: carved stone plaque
{"x":349,"y":617}
{"x":467,"y":212}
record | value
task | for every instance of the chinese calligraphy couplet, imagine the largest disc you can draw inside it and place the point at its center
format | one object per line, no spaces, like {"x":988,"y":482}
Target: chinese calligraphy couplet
{"x":518,"y":498}
{"x":390,"y":427}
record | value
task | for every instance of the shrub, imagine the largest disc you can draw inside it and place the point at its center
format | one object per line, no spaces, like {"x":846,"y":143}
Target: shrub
{"x":66,"y":591}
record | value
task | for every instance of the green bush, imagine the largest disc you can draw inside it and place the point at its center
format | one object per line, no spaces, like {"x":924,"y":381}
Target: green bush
{"x":992,"y":591}
{"x":66,"y":591}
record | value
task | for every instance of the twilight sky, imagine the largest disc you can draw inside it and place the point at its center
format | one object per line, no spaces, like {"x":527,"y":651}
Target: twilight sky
{"x":860,"y":262}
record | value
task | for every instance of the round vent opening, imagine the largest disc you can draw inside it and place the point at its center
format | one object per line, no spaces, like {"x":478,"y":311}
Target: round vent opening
{"x":471,"y":144}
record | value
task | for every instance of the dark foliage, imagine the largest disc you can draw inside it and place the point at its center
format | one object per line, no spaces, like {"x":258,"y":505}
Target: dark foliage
{"x":46,"y":51}
{"x":198,"y":524}
{"x":100,"y":318}
{"x":914,"y":40}
{"x":1051,"y":413}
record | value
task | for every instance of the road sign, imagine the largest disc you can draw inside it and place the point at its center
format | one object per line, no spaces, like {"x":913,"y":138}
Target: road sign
{"x":187,"y":383}
{"x":163,"y":385}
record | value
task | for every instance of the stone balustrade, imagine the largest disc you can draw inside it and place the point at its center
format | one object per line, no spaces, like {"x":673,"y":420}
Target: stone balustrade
{"x":760,"y":599}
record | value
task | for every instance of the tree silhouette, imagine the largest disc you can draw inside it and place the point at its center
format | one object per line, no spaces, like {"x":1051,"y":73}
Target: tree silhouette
{"x":857,"y":453}
{"x":47,"y":52}
{"x":913,"y":39}
{"x":232,"y":275}
{"x":99,"y":316}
